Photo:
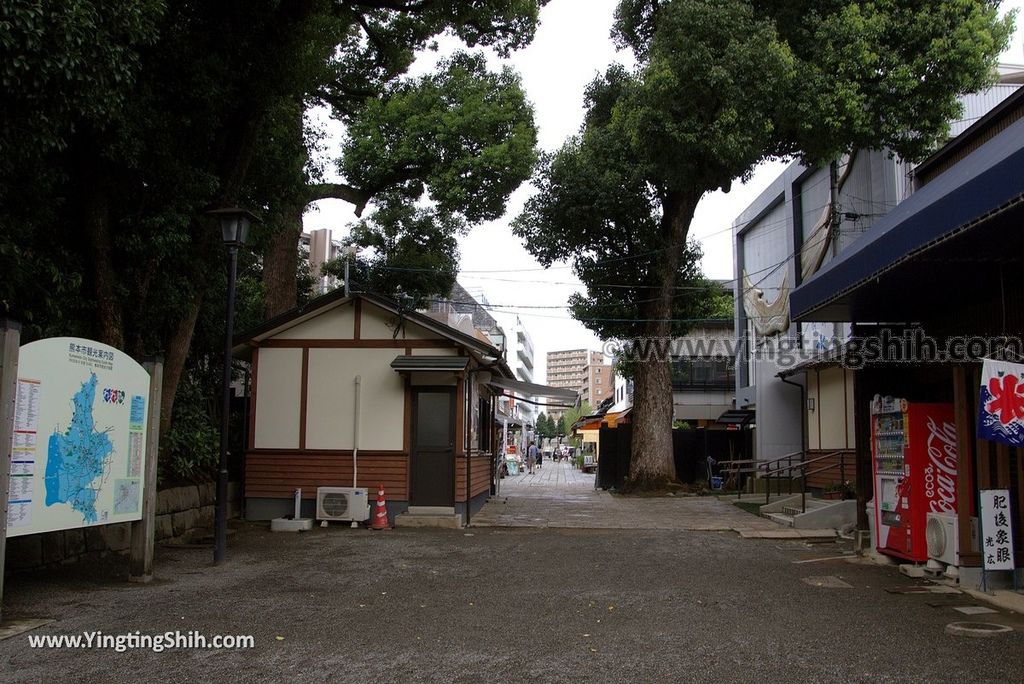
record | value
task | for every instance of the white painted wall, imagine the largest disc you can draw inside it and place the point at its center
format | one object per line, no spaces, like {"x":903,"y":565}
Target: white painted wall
{"x":330,"y":405}
{"x":335,"y":324}
{"x":278,"y":398}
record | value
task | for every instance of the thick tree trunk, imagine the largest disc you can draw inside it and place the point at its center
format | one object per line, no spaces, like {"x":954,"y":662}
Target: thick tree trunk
{"x":281,"y":258}
{"x":281,"y":262}
{"x":175,"y":356}
{"x":96,"y":211}
{"x":652,"y":463}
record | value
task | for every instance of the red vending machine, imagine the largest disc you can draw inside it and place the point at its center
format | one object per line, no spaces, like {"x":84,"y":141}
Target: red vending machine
{"x":913,"y":448}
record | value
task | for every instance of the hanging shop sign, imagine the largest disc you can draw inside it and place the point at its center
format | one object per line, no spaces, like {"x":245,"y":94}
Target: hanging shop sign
{"x":1001,"y":403}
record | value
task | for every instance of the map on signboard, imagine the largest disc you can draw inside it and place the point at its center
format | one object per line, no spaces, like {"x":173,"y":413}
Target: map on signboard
{"x":79,"y":437}
{"x":78,"y":459}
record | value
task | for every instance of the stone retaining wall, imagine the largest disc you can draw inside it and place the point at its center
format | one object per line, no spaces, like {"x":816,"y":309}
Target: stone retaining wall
{"x":182,"y":514}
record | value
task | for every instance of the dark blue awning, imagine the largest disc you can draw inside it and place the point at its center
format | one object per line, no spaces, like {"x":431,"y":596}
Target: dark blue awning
{"x":989,"y":179}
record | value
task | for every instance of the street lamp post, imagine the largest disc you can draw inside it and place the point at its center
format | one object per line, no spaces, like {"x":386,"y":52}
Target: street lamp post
{"x":234,"y":225}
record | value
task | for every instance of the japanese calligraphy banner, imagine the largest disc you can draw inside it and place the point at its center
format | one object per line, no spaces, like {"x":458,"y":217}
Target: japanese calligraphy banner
{"x":1001,"y":403}
{"x":996,"y":530}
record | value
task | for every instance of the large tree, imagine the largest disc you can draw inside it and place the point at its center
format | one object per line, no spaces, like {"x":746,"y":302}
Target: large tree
{"x":122,"y":123}
{"x":720,"y":86}
{"x":462,"y":137}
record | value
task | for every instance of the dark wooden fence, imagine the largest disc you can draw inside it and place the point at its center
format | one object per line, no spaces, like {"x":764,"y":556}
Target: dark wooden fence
{"x":690,"y":451}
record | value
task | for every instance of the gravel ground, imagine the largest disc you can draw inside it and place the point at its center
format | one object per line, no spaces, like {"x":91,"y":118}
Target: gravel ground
{"x":500,"y":605}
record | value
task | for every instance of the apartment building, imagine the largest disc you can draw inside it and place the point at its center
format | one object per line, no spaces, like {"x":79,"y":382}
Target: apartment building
{"x":582,"y":370}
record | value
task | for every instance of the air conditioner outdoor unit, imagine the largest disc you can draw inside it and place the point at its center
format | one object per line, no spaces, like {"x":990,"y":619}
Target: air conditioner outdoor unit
{"x":943,"y":538}
{"x":342,"y":503}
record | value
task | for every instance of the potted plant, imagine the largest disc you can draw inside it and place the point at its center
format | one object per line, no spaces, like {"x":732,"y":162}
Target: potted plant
{"x":839,"y":490}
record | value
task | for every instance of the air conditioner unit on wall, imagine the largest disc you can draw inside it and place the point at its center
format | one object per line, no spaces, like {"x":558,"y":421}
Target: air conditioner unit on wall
{"x":342,"y":503}
{"x":943,"y":538}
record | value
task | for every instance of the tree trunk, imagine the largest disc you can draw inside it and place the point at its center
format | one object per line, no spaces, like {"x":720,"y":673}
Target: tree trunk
{"x":652,"y":464}
{"x":281,"y":262}
{"x":281,"y":258}
{"x":96,"y":211}
{"x":175,"y":356}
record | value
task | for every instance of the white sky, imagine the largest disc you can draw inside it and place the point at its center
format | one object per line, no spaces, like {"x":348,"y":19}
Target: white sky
{"x":571,"y":47}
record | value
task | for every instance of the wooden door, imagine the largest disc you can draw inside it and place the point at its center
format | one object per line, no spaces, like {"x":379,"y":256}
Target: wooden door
{"x":433,"y":447}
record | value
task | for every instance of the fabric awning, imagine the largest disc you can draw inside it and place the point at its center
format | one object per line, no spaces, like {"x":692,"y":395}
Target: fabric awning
{"x":985,"y":181}
{"x":502,"y":417}
{"x":408,"y":364}
{"x":530,"y":389}
{"x":733,"y":419}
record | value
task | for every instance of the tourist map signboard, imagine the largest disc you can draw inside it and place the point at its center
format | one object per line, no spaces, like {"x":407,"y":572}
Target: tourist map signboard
{"x":79,"y":445}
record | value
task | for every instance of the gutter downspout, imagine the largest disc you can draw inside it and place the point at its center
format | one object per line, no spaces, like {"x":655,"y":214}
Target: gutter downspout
{"x":803,"y":442}
{"x":355,"y":439}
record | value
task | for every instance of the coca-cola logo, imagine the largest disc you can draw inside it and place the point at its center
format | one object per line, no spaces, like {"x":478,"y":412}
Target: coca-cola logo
{"x":940,"y":472}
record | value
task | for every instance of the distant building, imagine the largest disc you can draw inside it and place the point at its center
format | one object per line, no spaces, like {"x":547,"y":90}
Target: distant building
{"x":599,"y":382}
{"x":703,"y":375}
{"x":581,"y":370}
{"x":319,"y":248}
{"x":519,"y":355}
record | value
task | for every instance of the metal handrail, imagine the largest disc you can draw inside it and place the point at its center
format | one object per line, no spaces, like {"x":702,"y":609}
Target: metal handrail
{"x":795,"y":461}
{"x":802,"y":466}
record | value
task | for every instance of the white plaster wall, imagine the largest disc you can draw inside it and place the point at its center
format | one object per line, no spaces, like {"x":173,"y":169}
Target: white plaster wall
{"x":442,"y":351}
{"x":334,"y":324}
{"x":377,"y":324}
{"x":278,"y":398}
{"x":330,"y":404}
{"x":830,"y":424}
{"x":833,"y":410}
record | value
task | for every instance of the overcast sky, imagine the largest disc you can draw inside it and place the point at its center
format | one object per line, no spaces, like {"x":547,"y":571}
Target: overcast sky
{"x":571,"y":47}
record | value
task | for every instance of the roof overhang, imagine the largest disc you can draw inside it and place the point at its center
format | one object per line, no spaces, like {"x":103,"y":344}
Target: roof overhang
{"x":734,"y":419}
{"x":836,"y":356}
{"x":485,"y":351}
{"x":532,"y":389}
{"x":919,"y":246}
{"x":449,"y":364}
{"x":502,"y":417}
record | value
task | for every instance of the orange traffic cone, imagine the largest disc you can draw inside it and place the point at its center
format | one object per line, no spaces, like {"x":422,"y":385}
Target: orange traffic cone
{"x":380,"y":515}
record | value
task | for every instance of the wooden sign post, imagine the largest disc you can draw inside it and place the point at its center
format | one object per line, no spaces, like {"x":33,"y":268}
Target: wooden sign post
{"x":10,"y":337}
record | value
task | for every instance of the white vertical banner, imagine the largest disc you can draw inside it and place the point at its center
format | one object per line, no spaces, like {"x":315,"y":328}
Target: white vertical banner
{"x":996,"y":529}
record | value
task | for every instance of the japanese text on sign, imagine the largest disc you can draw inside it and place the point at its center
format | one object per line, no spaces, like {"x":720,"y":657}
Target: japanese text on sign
{"x":996,"y":530}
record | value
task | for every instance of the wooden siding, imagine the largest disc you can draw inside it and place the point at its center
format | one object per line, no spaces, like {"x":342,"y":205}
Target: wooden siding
{"x":480,"y":480}
{"x":276,"y":474}
{"x":831,"y":476}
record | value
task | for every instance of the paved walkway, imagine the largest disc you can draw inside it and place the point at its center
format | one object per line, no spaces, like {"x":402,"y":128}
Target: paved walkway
{"x":559,"y":495}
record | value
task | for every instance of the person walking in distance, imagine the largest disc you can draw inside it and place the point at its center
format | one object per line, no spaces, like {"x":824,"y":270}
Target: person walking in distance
{"x":531,"y":457}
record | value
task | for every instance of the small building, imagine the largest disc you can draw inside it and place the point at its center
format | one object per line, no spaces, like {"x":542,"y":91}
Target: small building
{"x":424,"y":426}
{"x":703,"y":366}
{"x":942,"y":270}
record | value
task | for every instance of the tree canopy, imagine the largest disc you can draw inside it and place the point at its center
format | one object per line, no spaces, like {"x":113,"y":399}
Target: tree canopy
{"x":122,"y":123}
{"x":720,"y":86}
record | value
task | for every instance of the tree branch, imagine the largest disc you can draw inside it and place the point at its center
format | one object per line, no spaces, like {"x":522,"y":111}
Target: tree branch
{"x":341,"y":191}
{"x":397,"y":5}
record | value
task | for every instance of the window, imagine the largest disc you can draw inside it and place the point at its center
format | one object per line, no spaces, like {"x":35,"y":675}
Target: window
{"x":486,"y":425}
{"x":702,"y":374}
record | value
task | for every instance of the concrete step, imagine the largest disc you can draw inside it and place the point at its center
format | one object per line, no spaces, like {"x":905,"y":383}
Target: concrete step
{"x":752,"y":498}
{"x":812,"y":505}
{"x":431,"y":510}
{"x":451,"y":521}
{"x":780,"y":518}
